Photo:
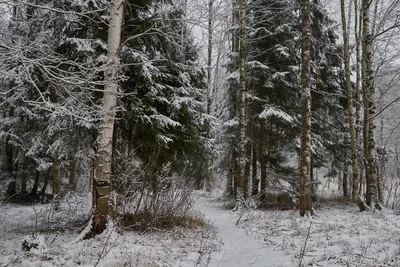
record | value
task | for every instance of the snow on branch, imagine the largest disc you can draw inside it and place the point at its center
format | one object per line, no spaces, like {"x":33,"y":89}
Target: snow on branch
{"x":165,"y":121}
{"x":257,"y":64}
{"x":274,"y":112}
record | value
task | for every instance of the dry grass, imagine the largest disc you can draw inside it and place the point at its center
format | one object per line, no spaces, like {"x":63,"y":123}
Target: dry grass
{"x":335,"y":200}
{"x":145,"y":221}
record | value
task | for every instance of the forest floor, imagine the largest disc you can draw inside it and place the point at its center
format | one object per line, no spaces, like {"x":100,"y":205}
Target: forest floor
{"x":338,"y":235}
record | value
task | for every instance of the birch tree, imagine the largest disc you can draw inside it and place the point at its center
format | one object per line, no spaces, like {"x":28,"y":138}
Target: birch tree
{"x":350,"y":109}
{"x":102,"y":168}
{"x":241,"y":98}
{"x":368,"y":81}
{"x":209,"y":81}
{"x":305,"y":149}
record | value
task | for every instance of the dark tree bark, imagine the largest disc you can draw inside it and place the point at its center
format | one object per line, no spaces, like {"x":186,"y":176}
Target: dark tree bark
{"x":74,"y":165}
{"x":24,"y":180}
{"x":247,"y":169}
{"x":345,"y":184}
{"x":44,"y":188}
{"x":262,"y":159}
{"x":229,"y":188}
{"x":35,"y":184}
{"x":9,"y":156}
{"x":254,"y":178}
{"x":56,"y":173}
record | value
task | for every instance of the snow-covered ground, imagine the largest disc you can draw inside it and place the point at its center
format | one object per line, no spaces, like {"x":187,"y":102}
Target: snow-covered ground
{"x":338,"y":235}
{"x":238,"y":249}
{"x":113,"y":248}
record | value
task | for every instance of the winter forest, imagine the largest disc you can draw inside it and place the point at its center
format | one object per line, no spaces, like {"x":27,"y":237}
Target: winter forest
{"x":188,"y":133}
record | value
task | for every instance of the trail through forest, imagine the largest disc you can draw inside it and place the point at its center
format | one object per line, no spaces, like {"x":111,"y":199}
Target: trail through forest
{"x":238,"y":248}
{"x":339,"y":235}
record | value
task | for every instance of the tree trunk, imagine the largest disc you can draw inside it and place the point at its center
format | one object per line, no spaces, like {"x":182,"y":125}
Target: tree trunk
{"x":345,"y":184}
{"x":365,"y":136}
{"x":358,"y":93}
{"x":247,"y":169}
{"x":56,"y":173}
{"x":305,"y":149}
{"x":74,"y":167}
{"x":241,"y":98}
{"x":263,"y":164}
{"x":371,"y":112}
{"x":365,"y":148}
{"x":73,"y":173}
{"x":103,"y":162}
{"x":313,"y":182}
{"x":380,"y":187}
{"x":44,"y":188}
{"x":254,"y":178}
{"x":350,"y":110}
{"x":9,"y":156}
{"x":24,"y":179}
{"x":234,"y":172}
{"x":365,"y":93}
{"x":209,"y":53}
{"x":35,"y":184}
{"x":229,"y":189}
{"x":209,"y":84}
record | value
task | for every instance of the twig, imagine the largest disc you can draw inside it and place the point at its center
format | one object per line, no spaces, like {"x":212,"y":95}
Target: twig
{"x":104,"y":248}
{"x":242,"y":212}
{"x":303,"y":251}
{"x":365,"y":252}
{"x":11,"y":262}
{"x":247,"y":208}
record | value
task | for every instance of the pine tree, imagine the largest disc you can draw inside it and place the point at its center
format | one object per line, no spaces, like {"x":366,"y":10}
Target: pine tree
{"x":36,"y":102}
{"x":272,"y":82}
{"x":164,"y":123}
{"x":229,"y":107}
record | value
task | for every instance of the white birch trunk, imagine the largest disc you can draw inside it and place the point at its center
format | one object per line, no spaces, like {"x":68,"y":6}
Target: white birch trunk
{"x":350,"y":109}
{"x":368,"y":79}
{"x":357,"y":19}
{"x":305,"y":150}
{"x":241,"y":97}
{"x":102,"y":168}
{"x":209,"y":83}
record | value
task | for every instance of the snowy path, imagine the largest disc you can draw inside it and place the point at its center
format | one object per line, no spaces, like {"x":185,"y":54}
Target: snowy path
{"x":238,"y":249}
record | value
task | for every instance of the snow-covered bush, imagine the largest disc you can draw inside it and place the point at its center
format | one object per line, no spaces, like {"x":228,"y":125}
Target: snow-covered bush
{"x":166,"y":207}
{"x":34,"y":243}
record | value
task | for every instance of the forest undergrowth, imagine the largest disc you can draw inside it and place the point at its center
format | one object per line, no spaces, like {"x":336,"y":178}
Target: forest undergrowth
{"x":337,"y":235}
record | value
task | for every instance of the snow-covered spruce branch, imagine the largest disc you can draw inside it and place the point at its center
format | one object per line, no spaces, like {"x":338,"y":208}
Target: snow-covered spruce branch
{"x":17,"y":3}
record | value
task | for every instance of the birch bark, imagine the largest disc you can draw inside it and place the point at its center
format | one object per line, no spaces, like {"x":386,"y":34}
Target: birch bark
{"x":209,"y":83}
{"x":102,"y":168}
{"x":305,"y":149}
{"x":241,"y":97}
{"x":372,"y":181}
{"x":350,"y":110}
